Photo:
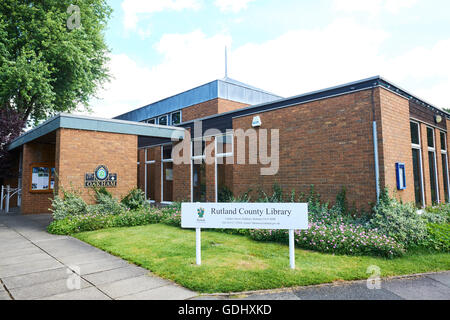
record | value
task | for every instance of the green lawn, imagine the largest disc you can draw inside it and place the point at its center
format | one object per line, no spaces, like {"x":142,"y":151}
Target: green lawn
{"x":235,"y":263}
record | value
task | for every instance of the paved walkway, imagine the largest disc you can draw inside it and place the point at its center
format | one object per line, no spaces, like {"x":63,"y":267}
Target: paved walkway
{"x":37,"y":265}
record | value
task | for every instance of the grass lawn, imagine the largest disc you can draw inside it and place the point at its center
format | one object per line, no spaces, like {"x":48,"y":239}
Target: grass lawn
{"x":233,"y":263}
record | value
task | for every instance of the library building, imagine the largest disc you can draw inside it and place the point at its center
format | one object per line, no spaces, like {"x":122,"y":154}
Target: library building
{"x":364,"y":136}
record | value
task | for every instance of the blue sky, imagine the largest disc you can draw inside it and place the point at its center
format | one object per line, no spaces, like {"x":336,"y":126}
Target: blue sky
{"x":162,"y":47}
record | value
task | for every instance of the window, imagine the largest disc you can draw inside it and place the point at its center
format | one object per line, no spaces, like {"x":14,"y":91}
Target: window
{"x":198,"y":170}
{"x":150,"y":174}
{"x":42,"y":178}
{"x":151,"y":121}
{"x":444,"y":159}
{"x":224,"y":145}
{"x":176,"y":118}
{"x":166,"y":174}
{"x":163,"y":121}
{"x":224,"y":167}
{"x":417,"y":165}
{"x":432,"y":166}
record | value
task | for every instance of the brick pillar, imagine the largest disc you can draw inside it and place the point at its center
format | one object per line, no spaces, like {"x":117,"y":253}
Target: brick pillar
{"x":210,"y":172}
{"x":182,"y":172}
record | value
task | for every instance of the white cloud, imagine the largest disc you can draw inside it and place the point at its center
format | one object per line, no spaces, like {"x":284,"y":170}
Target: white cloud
{"x":133,"y":8}
{"x":373,"y":6}
{"x":293,"y":63}
{"x":232,"y":5}
{"x":189,"y":60}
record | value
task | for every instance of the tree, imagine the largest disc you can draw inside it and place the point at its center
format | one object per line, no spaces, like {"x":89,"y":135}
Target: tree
{"x":48,"y":62}
{"x":11,"y":126}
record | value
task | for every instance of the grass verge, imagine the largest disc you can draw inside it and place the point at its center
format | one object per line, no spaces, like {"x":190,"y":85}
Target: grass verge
{"x":234,"y":263}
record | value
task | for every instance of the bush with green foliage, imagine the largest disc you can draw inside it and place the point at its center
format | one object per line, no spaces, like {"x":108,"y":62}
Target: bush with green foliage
{"x":135,"y":199}
{"x":399,"y":221}
{"x":438,"y":237}
{"x":70,"y":204}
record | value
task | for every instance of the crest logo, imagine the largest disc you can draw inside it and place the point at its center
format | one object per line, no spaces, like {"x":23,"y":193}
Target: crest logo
{"x":201,"y":213}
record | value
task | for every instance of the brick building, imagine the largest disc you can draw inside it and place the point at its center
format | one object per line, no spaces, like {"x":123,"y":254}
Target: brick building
{"x":364,"y":136}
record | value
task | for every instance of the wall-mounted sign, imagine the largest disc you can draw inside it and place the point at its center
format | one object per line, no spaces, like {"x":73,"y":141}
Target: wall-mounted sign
{"x":401,"y":176}
{"x":256,"y":122}
{"x":42,"y":178}
{"x":101,"y":177}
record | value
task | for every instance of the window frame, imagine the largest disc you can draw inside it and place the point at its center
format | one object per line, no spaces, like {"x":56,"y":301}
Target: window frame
{"x":163,"y":161}
{"x":445,"y":153}
{"x":436,"y":173}
{"x":147,"y":162}
{"x":171,"y":117}
{"x":419,"y":148}
{"x":221,"y":155}
{"x":42,"y":165}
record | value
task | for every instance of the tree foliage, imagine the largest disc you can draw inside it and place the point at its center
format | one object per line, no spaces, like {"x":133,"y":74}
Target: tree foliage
{"x":11,"y":126}
{"x":45,"y":66}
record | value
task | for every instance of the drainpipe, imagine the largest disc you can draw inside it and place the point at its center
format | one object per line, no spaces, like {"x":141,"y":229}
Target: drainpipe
{"x":377,"y":166}
{"x":375,"y":149}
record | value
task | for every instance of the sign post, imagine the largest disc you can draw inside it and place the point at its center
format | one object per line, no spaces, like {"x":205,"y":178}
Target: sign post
{"x":269,"y":216}
{"x":198,"y":246}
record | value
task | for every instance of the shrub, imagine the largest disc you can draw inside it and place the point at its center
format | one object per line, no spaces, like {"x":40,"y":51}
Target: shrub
{"x":106,"y":204}
{"x":97,"y":221}
{"x":437,"y":215}
{"x":399,"y":221}
{"x":438,"y":237}
{"x":172,"y":214}
{"x":135,"y":199}
{"x":224,"y":194}
{"x":71,"y":204}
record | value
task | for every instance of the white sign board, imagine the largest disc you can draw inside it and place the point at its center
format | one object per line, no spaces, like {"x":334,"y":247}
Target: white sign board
{"x":289,"y":216}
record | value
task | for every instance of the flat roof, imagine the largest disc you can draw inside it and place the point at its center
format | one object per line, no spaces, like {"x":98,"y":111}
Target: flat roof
{"x":225,"y":88}
{"x":79,"y":122}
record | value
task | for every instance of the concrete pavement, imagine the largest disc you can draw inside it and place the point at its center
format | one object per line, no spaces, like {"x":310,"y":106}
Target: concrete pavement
{"x":38,"y":265}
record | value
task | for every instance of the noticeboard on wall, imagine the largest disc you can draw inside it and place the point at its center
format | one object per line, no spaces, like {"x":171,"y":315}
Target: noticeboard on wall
{"x":42,"y":178}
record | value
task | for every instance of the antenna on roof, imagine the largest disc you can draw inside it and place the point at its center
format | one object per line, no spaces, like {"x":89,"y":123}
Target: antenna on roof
{"x":226,"y":62}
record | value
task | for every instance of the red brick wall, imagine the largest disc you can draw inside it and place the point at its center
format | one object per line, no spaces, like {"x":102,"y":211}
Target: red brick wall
{"x":210,"y":108}
{"x":80,"y":152}
{"x":395,"y":143}
{"x":326,"y":143}
{"x":35,"y":153}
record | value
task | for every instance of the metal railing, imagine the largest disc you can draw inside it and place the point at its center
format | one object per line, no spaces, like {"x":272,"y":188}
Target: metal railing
{"x":6,"y":194}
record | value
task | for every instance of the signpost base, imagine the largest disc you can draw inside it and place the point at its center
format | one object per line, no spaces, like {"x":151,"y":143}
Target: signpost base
{"x":198,"y":246}
{"x":292,"y":249}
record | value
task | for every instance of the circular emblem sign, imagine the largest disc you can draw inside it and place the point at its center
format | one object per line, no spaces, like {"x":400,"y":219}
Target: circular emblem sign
{"x":101,"y":173}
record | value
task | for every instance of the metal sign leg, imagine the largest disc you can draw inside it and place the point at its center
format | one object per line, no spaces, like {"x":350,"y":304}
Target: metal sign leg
{"x":198,"y":246}
{"x":292,"y":249}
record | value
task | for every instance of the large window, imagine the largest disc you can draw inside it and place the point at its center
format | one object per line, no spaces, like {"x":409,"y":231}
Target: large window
{"x":175,"y":118}
{"x":198,"y":173}
{"x":417,"y":164}
{"x":167,"y":174}
{"x":150,"y":174}
{"x":431,"y":141}
{"x":224,"y":167}
{"x":444,"y":159}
